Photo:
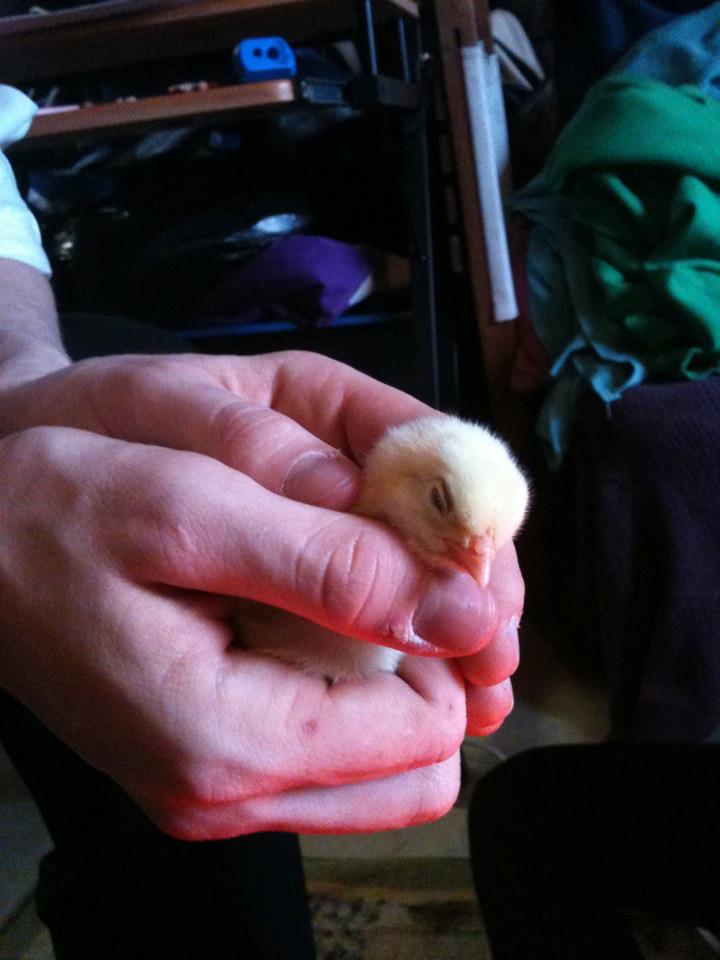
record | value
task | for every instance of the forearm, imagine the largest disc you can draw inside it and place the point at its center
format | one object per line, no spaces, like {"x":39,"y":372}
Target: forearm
{"x":30,"y":343}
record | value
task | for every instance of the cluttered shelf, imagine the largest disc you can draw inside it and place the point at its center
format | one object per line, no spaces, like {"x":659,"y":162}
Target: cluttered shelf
{"x":187,"y":228}
{"x":194,"y":108}
{"x":47,"y":45}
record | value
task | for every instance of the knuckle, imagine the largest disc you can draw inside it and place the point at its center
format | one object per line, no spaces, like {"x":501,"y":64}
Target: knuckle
{"x":290,"y":360}
{"x":50,"y":457}
{"x":160,"y":537}
{"x":350,"y":575}
{"x":439,"y":788}
{"x":172,"y":540}
{"x":242,"y":427}
{"x":28,"y":444}
{"x":493,"y":665}
{"x":199,"y":805}
{"x":116,"y":377}
{"x":496,"y":670}
{"x":197,"y":824}
{"x":438,"y":716}
{"x":455,"y":719}
{"x":448,"y":788}
{"x":506,"y":698}
{"x":446,"y":732}
{"x":512,"y":662}
{"x":192,"y":824}
{"x":110,"y":382}
{"x":448,"y":718}
{"x":491,"y":705}
{"x":177,"y":824}
{"x":257,"y":440}
{"x":350,"y":578}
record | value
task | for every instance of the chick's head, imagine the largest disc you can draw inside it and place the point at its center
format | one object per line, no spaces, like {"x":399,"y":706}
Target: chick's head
{"x":450,"y":488}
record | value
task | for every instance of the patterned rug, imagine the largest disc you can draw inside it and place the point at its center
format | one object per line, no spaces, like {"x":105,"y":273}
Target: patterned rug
{"x":402,"y":909}
{"x":425,"y":909}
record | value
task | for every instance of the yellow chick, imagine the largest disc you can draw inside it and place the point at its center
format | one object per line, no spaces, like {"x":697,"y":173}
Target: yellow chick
{"x":453,"y":492}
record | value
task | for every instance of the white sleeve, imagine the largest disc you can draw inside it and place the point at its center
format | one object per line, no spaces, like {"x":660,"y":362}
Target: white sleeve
{"x":19,"y":232}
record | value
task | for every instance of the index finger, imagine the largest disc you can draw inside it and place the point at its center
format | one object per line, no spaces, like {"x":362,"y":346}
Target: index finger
{"x":297,"y":423}
{"x":347,"y":409}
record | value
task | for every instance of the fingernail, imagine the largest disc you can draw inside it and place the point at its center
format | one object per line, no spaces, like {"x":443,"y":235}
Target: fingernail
{"x":456,"y":615}
{"x":323,"y":481}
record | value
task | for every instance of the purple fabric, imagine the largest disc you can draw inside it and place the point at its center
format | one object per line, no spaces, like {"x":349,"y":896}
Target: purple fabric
{"x":652,"y":476}
{"x":301,"y":279}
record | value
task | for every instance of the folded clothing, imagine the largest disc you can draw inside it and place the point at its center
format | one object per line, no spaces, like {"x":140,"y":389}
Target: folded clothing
{"x":624,"y":260}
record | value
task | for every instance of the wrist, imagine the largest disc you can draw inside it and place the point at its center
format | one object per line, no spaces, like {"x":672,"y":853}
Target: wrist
{"x":23,"y":360}
{"x":19,"y":369}
{"x":30,"y":343}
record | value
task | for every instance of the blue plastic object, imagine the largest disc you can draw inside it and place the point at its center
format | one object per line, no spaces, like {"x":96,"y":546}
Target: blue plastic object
{"x":264,"y":58}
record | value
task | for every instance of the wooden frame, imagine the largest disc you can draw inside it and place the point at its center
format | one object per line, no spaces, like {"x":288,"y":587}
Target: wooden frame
{"x":197,"y":108}
{"x":463,"y":23}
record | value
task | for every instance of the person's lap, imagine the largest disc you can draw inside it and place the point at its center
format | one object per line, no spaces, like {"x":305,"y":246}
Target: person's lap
{"x":581,"y":833}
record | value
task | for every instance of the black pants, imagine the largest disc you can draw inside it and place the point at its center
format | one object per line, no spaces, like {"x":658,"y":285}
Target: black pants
{"x":564,"y":839}
{"x":116,"y":888}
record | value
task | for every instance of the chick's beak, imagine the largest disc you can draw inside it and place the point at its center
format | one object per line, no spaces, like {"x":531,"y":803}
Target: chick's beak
{"x":476,"y":557}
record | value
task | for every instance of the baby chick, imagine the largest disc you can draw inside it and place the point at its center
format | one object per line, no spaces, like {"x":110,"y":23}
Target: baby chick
{"x":453,"y":492}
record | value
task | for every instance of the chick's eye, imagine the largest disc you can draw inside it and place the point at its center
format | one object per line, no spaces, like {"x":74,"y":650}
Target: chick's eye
{"x":440,"y":497}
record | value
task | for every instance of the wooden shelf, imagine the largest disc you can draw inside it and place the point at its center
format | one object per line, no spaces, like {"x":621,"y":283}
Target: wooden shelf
{"x":47,"y":46}
{"x":198,"y":108}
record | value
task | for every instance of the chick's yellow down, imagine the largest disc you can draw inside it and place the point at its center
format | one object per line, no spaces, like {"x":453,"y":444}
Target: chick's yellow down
{"x":453,"y":492}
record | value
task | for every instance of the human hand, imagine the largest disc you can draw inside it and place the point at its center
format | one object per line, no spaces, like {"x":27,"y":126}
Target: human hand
{"x":297,"y":425}
{"x":119,"y":566}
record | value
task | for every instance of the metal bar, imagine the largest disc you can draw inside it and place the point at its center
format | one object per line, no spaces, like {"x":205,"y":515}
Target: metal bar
{"x":450,"y":325}
{"x":419,"y":203}
{"x":402,"y":40}
{"x":367,"y":24}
